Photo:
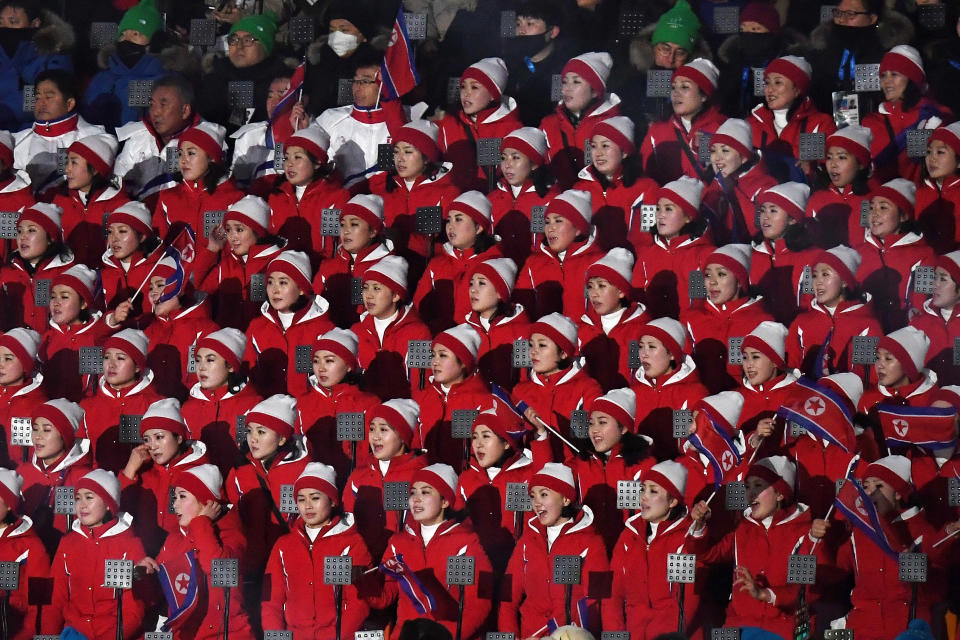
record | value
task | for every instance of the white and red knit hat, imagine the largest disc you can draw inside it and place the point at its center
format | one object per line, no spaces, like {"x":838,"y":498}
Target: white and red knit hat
{"x":620,"y":404}
{"x":441,"y":477}
{"x":314,"y":140}
{"x":736,"y":134}
{"x":99,"y":150}
{"x":65,"y":416}
{"x":422,"y":134}
{"x":135,"y":215}
{"x":132,"y":342}
{"x":47,"y":215}
{"x":491,"y":73}
{"x":105,"y":485}
{"x":228,"y":343}
{"x":402,"y":414}
{"x":464,"y":341}
{"x":319,"y":476}
{"x":476,"y":205}
{"x":594,"y":67}
{"x":390,"y":271}
{"x":6,"y":148}
{"x":855,"y":139}
{"x":947,"y":134}
{"x":250,"y":211}
{"x":905,"y":60}
{"x":736,"y":259}
{"x":529,"y":141}
{"x":848,"y":385}
{"x":208,"y":136}
{"x":503,"y":421}
{"x":778,"y":471}
{"x":901,"y":192}
{"x":671,"y":333}
{"x":790,"y":196}
{"x":164,"y":415}
{"x":842,"y":259}
{"x":204,"y":481}
{"x":81,"y":279}
{"x":556,"y":477}
{"x":502,"y":274}
{"x":574,"y":205}
{"x":616,"y":268}
{"x":670,"y":475}
{"x":278,"y":412}
{"x":895,"y":471}
{"x":295,"y":264}
{"x":795,"y":68}
{"x":619,"y":130}
{"x":367,"y":207}
{"x":10,"y":485}
{"x":909,"y":345}
{"x":23,"y":344}
{"x":341,"y":342}
{"x":560,"y":329}
{"x":770,"y":339}
{"x":703,"y":73}
{"x":685,"y":192}
{"x":724,"y":408}
{"x":950,"y":263}
{"x":166,"y":267}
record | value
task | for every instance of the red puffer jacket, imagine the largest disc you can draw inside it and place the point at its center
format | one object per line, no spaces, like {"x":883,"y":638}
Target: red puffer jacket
{"x":272,"y":350}
{"x":211,"y":416}
{"x":937,"y":209}
{"x":39,"y":486}
{"x":208,"y":540}
{"x":19,"y":308}
{"x":710,"y":327}
{"x":643,"y":602}
{"x":317,"y":411}
{"x":83,"y":223}
{"x":762,"y":401}
{"x":914,"y":394}
{"x":547,"y":284}
{"x":59,"y":356}
{"x":764,"y":552}
{"x":384,"y":361}
{"x":226,"y":278}
{"x":667,"y":143}
{"x":602,"y":348}
{"x":296,"y":597}
{"x":363,"y":497}
{"x":334,"y":279}
{"x":804,"y":119}
{"x":120,"y":283}
{"x":663,"y":271}
{"x":15,"y":194}
{"x":556,"y":396}
{"x":101,"y":419}
{"x":837,"y":212}
{"x":812,"y":329}
{"x":147,"y":497}
{"x":299,"y":220}
{"x":245,"y":487}
{"x":567,"y":136}
{"x":656,"y":400}
{"x":744,"y":187}
{"x":443,"y":293}
{"x":942,"y":333}
{"x":512,"y":209}
{"x":887,"y":272}
{"x":819,"y":464}
{"x":495,"y":361}
{"x":890,"y":159}
{"x":615,"y":207}
{"x":436,"y":414}
{"x":777,"y":271}
{"x":459,"y":133}
{"x":79,"y":598}
{"x":485,"y":500}
{"x":187,"y":202}
{"x":429,"y":562}
{"x":170,"y":340}
{"x":19,"y":401}
{"x":533,"y":600}
{"x":19,"y":543}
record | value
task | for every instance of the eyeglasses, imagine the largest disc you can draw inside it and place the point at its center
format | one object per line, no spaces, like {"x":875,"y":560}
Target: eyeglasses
{"x":240,"y":41}
{"x":846,"y":15}
{"x":363,"y":82}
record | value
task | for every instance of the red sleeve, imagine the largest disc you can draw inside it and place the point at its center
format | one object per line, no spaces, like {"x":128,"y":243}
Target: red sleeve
{"x":33,"y":574}
{"x":276,"y":598}
{"x":612,"y":613}
{"x":512,"y":593}
{"x":52,"y":621}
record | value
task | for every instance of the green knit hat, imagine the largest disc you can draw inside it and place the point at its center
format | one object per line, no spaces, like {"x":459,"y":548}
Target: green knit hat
{"x":263,"y":27}
{"x":679,"y":26}
{"x":143,"y":18}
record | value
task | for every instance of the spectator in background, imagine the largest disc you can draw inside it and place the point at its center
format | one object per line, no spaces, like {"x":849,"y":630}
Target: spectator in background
{"x":31,"y":41}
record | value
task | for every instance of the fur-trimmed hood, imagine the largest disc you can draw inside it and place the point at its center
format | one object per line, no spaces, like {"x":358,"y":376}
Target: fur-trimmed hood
{"x":895,"y":28}
{"x":54,"y":35}
{"x":641,"y":49}
{"x":314,"y":51}
{"x":174,"y":58}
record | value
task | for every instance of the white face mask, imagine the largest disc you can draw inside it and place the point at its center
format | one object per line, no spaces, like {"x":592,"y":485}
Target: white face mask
{"x":342,"y":43}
